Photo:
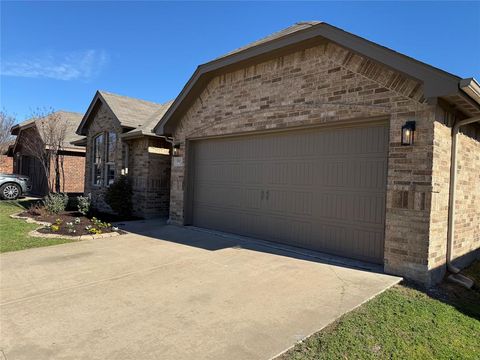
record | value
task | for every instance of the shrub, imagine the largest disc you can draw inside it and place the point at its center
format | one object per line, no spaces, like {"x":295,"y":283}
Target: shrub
{"x":83,"y":204}
{"x":99,"y":224}
{"x":55,"y":203}
{"x":35,"y":210}
{"x":54,"y":228}
{"x":119,"y":197}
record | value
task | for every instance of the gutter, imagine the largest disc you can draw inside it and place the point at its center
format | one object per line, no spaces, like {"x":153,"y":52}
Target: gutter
{"x":472,"y":88}
{"x":451,"y":202}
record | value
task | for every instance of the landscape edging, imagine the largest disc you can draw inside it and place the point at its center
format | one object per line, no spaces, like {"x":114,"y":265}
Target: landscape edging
{"x":35,"y":233}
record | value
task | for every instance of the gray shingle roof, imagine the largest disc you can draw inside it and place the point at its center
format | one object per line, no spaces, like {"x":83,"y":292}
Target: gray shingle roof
{"x":276,"y":35}
{"x":71,"y":119}
{"x":133,"y":112}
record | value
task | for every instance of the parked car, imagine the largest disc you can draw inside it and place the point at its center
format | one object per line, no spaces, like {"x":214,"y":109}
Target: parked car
{"x":13,"y":186}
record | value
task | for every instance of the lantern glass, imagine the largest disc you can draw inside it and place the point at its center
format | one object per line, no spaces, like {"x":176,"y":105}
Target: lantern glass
{"x":408,"y":132}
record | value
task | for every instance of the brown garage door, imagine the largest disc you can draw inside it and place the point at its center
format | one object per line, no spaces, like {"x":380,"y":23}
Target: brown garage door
{"x":321,"y":189}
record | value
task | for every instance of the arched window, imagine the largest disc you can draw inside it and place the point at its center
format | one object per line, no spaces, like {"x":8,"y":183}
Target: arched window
{"x":103,"y":158}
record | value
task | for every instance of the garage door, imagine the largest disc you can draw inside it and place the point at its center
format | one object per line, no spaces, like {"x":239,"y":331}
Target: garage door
{"x":318,"y":189}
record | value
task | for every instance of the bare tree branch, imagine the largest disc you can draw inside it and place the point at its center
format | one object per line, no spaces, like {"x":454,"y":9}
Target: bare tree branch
{"x":46,"y":143}
{"x":6,"y":123}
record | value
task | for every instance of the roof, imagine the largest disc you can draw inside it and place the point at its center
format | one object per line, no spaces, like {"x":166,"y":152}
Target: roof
{"x":71,"y":120}
{"x":276,"y":35}
{"x":130,"y":112}
{"x":436,"y":82}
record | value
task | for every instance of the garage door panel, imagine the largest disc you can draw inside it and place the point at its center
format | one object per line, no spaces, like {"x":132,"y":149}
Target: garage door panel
{"x":349,"y":207}
{"x":290,"y":202}
{"x":319,"y":189}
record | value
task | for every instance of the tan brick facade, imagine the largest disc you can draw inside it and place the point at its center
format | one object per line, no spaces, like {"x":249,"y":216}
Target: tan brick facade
{"x":467,"y":214}
{"x":327,"y":84}
{"x":149,"y":172}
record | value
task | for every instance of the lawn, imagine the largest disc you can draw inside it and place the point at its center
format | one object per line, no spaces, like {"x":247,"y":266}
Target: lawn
{"x":403,"y":323}
{"x":14,"y":232}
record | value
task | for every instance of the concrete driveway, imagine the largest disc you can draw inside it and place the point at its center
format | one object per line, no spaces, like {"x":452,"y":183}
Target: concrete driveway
{"x":181,"y":294}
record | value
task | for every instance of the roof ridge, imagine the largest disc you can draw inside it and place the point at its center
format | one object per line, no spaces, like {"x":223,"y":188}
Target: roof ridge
{"x":128,"y":97}
{"x":301,"y":25}
{"x":68,"y":112}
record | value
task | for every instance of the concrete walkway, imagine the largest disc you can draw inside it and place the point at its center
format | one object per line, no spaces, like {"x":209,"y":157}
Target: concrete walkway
{"x":181,"y":294}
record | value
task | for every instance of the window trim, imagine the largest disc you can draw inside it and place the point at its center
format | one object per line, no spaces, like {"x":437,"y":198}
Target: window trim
{"x":94,"y":158}
{"x":104,"y":156}
{"x":108,"y":161}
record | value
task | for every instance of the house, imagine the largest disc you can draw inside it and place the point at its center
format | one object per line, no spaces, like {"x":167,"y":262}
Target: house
{"x":34,"y":141}
{"x":321,"y":139}
{"x":120,"y":141}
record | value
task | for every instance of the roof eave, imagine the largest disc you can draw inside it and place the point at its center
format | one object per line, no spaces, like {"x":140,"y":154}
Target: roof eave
{"x":136,"y":134}
{"x":79,"y":142}
{"x":438,"y":82}
{"x":81,"y":130}
{"x":472,"y":88}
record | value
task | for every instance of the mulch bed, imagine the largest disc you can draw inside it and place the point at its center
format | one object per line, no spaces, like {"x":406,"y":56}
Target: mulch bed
{"x":68,"y":223}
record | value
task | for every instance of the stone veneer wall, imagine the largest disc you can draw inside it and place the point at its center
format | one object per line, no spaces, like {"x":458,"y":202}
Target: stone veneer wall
{"x":327,"y":84}
{"x":149,"y":173}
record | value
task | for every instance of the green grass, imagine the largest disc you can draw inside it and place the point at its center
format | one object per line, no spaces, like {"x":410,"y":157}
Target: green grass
{"x":401,"y":323}
{"x":14,"y":232}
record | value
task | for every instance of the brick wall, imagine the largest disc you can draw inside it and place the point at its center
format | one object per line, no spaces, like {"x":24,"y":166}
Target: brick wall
{"x":147,"y":172}
{"x":74,"y":173}
{"x":103,"y":121}
{"x":467,"y":219}
{"x":150,"y":174}
{"x":329,"y":84}
{"x":440,"y":194}
{"x":466,"y":244}
{"x":73,"y":177}
{"x":6,"y":164}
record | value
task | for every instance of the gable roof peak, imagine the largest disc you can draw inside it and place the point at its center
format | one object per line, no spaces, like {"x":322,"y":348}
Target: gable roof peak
{"x":130,"y":112}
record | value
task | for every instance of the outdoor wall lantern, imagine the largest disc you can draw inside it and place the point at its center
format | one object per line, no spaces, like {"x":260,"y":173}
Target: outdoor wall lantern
{"x":176,"y":147}
{"x":408,"y":132}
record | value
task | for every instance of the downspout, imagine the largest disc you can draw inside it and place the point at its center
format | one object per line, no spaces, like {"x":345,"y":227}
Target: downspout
{"x":452,"y":191}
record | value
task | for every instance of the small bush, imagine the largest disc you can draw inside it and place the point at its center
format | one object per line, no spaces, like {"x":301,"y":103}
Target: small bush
{"x":83,"y":204}
{"x":55,"y":203}
{"x":119,"y":197}
{"x":35,"y":210}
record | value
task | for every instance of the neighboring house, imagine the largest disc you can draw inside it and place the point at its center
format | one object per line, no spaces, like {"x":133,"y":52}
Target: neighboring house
{"x":297,"y":138}
{"x":32,"y":135}
{"x":120,"y":141}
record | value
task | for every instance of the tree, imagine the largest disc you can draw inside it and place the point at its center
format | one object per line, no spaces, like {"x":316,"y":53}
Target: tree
{"x":6,"y":123}
{"x":45,"y":142}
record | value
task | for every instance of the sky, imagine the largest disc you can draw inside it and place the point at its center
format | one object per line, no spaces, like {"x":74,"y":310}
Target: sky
{"x":57,"y":54}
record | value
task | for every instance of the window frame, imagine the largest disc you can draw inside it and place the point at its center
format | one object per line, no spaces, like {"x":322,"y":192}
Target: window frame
{"x":98,"y":149}
{"x":110,"y":156}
